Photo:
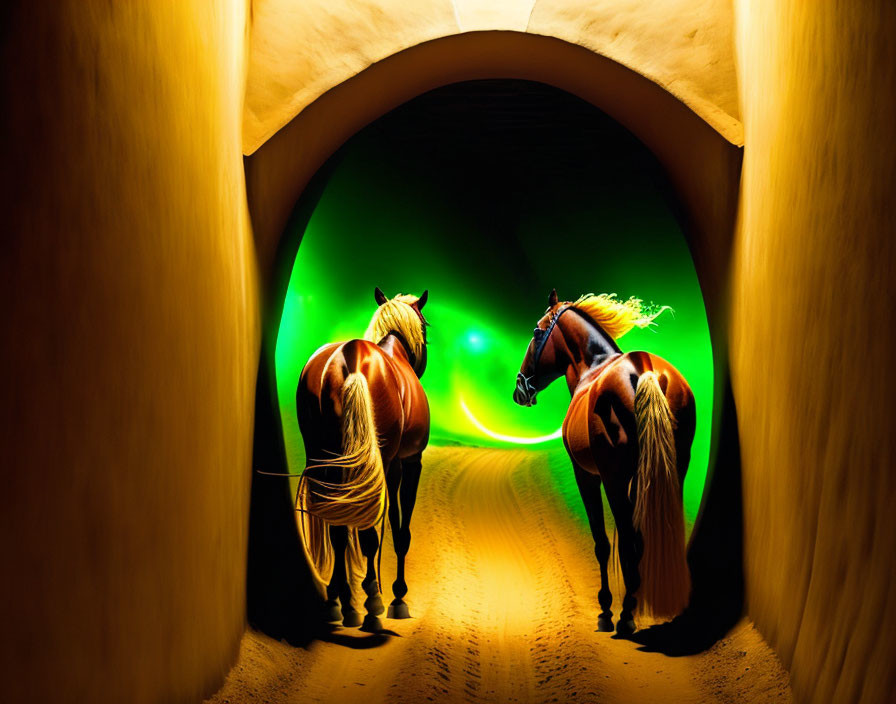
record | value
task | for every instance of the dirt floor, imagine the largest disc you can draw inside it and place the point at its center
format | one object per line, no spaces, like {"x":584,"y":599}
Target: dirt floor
{"x":503,"y":598}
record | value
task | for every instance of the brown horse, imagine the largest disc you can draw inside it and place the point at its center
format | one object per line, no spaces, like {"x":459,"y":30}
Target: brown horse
{"x":630,"y":425}
{"x":361,"y":410}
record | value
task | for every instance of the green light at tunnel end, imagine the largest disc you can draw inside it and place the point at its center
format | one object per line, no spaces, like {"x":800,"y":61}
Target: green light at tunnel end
{"x":401,"y":235}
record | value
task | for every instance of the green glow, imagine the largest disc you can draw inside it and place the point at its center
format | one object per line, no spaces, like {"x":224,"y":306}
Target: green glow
{"x":386,"y":221}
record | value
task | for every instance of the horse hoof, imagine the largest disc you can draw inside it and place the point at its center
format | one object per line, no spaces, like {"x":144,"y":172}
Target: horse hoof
{"x":604,"y":624}
{"x":372,"y":624}
{"x":399,"y":610}
{"x":374,"y":605}
{"x":332,"y":612}
{"x":625,"y":627}
{"x":351,"y":619}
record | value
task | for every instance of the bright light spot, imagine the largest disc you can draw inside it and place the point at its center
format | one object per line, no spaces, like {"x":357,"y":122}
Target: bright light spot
{"x":475,"y":340}
{"x":509,"y":438}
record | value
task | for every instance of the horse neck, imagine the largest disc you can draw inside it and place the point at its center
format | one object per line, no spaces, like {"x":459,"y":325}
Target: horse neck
{"x":397,"y":347}
{"x":587,"y":346}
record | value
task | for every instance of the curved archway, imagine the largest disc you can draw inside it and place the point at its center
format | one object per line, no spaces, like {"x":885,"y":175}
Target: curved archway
{"x":299,"y":51}
{"x":702,"y":166}
{"x":490,"y":193}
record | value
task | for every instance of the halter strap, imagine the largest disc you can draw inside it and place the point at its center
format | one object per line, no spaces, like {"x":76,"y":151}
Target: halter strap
{"x":541,"y":338}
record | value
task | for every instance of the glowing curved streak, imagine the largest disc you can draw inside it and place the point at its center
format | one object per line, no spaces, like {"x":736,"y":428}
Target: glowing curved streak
{"x":509,"y":438}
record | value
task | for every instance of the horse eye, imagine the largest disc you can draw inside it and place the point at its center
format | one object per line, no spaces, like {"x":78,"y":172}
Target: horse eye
{"x":538,"y":333}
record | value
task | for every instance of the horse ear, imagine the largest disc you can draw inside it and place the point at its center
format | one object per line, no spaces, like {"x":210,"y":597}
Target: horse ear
{"x":422,"y":300}
{"x":552,"y":299}
{"x":379,"y":296}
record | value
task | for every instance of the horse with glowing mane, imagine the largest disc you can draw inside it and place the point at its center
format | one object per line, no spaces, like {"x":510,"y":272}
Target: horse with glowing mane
{"x":365,"y":422}
{"x":630,"y":425}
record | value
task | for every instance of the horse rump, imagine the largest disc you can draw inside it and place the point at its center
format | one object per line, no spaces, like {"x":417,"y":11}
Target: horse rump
{"x":659,"y":514}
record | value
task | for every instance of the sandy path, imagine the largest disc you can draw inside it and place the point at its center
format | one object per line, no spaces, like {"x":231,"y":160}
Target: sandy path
{"x":503,"y":591}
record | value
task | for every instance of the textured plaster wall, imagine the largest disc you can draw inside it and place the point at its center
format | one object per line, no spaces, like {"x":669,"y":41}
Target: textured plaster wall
{"x":685,"y":46}
{"x":813,"y":326}
{"x":129,"y":352}
{"x":301,"y":50}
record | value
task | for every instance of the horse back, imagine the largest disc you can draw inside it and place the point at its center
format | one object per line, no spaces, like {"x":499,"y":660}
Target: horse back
{"x":600,"y":431}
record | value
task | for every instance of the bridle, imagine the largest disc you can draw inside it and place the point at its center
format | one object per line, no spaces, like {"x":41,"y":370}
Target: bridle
{"x":540,"y":338}
{"x":424,"y":324}
{"x":423,"y":321}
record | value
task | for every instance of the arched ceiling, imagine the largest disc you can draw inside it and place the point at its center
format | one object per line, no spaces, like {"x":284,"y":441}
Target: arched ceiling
{"x":300,"y":50}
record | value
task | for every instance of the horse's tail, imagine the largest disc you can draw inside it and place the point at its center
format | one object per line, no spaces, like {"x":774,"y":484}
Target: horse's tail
{"x":357,"y":498}
{"x":659,"y":515}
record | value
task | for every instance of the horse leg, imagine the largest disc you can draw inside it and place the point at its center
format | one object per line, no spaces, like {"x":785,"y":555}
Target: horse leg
{"x":630,"y":549}
{"x":370,"y":543}
{"x":339,"y":584}
{"x":407,"y":495}
{"x":589,"y":489}
{"x":393,"y":480}
{"x":332,"y":609}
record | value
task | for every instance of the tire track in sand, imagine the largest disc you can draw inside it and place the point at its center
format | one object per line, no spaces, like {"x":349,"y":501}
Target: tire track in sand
{"x":500,"y":571}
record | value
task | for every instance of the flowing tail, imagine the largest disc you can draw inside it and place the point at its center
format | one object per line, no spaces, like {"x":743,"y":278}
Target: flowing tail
{"x":358,"y":499}
{"x":659,"y":515}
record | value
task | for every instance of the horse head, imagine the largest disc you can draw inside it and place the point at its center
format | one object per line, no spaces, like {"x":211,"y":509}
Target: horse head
{"x":541,"y":365}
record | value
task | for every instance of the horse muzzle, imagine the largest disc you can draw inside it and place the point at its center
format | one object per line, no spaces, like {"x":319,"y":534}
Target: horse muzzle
{"x":525,"y":393}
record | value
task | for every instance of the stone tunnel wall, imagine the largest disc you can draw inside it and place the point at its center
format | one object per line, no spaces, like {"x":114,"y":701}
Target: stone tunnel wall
{"x":129,"y":303}
{"x":812,"y":340}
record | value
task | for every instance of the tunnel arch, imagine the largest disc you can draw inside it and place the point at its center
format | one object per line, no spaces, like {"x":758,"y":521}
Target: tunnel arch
{"x":701,"y":163}
{"x":286,"y":175}
{"x":300,"y":51}
{"x":518,"y":187}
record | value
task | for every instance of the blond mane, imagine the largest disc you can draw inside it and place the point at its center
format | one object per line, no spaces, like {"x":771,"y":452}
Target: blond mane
{"x":614,"y":316}
{"x":396,"y":315}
